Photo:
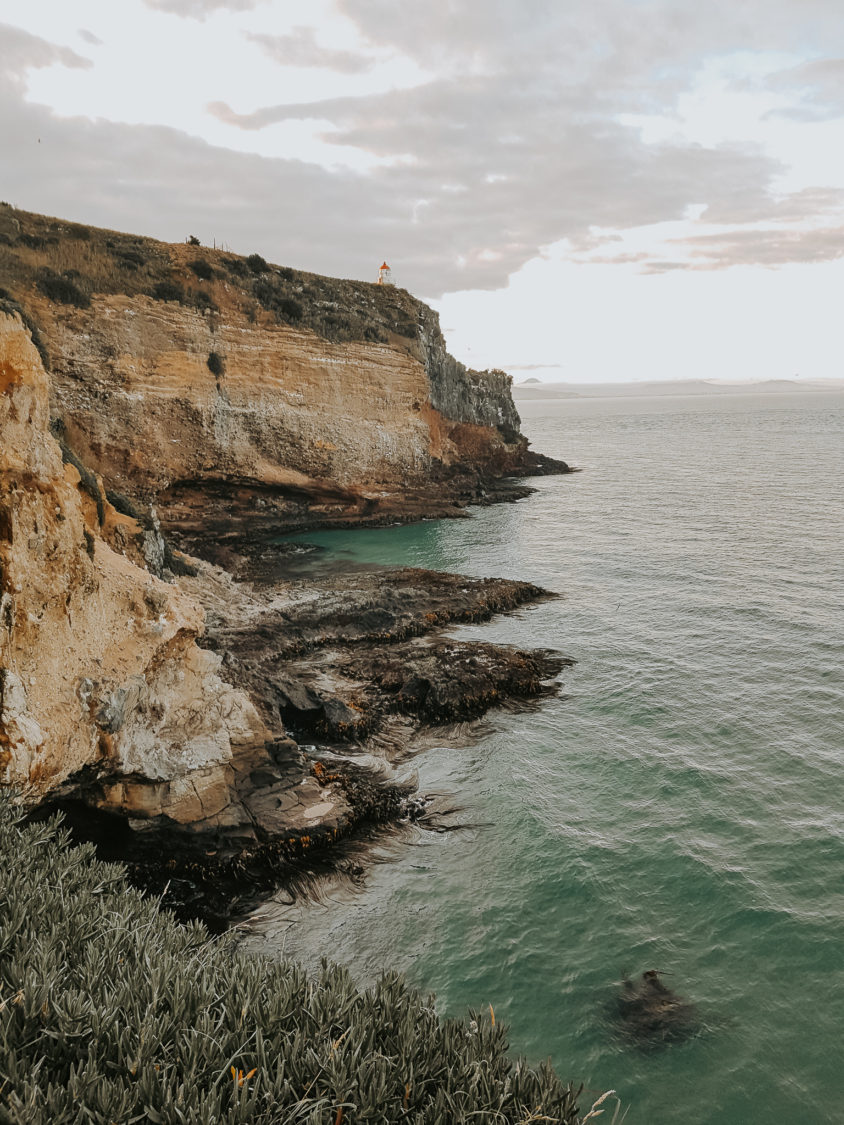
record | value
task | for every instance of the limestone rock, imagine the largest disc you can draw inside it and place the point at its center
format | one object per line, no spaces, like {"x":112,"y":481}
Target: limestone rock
{"x":98,"y":658}
{"x":257,"y":402}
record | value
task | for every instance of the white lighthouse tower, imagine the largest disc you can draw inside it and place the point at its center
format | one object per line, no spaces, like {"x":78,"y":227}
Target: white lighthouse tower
{"x":385,"y":275}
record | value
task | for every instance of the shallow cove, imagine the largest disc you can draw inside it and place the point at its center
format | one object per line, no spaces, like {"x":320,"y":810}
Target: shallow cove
{"x":680,"y":807}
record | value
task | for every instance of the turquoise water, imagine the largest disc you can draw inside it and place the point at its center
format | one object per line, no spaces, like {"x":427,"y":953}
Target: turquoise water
{"x":681,"y":805}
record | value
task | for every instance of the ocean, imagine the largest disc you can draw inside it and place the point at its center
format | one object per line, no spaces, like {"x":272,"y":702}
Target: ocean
{"x":680,"y":805}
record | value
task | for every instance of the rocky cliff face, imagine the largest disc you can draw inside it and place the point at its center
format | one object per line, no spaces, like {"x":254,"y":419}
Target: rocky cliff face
{"x":478,"y":398}
{"x":98,"y":658}
{"x":131,"y":376}
{"x":106,"y":695}
{"x":238,"y":395}
{"x":232,"y":399}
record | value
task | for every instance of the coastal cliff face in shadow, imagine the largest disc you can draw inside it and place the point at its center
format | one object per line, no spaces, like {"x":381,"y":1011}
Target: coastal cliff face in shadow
{"x":241,"y":397}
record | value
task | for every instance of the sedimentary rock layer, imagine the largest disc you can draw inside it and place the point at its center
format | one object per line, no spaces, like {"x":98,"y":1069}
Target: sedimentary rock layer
{"x":98,"y":658}
{"x":265,"y":400}
{"x":238,"y":396}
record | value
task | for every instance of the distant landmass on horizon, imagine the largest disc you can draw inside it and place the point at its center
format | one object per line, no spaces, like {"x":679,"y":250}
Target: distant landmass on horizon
{"x":534,"y":388}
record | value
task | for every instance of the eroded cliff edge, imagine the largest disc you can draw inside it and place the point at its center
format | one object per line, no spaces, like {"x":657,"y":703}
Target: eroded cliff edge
{"x":98,"y":657}
{"x":262,"y":401}
{"x":236,"y":396}
{"x":168,"y":706}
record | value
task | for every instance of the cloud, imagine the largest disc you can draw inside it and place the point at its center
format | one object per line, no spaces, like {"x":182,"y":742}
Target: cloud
{"x":806,"y":226}
{"x":819,"y":87}
{"x":484,"y":171}
{"x":646,"y":40}
{"x":661,"y":265}
{"x":806,"y":206}
{"x":21,"y":51}
{"x":771,"y":247}
{"x":199,"y":9}
{"x":535,"y":366}
{"x":300,"y":48}
{"x":89,"y":37}
{"x":515,"y":142}
{"x":160,"y":181}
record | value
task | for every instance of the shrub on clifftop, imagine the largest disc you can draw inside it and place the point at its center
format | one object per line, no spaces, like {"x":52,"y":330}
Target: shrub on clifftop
{"x":257,"y":264}
{"x":110,"y":1011}
{"x":168,"y":290}
{"x":202,"y":269}
{"x":63,"y":290}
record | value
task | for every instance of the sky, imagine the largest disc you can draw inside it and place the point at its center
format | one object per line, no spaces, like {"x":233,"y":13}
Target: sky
{"x":587,"y":192}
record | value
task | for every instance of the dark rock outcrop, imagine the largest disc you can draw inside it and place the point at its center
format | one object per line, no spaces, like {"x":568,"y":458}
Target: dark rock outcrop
{"x":653,"y":1015}
{"x":340,"y":658}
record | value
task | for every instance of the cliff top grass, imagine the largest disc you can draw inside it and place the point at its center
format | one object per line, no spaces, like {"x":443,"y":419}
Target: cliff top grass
{"x":112,"y":1012}
{"x":67,"y":264}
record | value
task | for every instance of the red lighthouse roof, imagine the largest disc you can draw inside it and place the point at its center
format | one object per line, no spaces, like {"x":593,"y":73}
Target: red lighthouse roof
{"x":384,"y":266}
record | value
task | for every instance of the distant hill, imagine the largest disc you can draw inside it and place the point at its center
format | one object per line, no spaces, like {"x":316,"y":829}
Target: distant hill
{"x":671,"y":387}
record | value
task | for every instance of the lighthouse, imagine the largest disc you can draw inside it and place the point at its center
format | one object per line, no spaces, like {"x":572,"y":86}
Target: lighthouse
{"x":385,"y":275}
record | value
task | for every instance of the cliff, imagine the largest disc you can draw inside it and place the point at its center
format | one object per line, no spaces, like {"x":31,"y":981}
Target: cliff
{"x":240,"y":396}
{"x":158,"y":714}
{"x":98,"y":658}
{"x":138,"y":683}
{"x":106,"y":696}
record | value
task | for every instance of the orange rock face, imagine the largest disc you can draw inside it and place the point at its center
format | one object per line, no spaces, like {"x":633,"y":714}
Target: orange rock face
{"x":290,"y":408}
{"x":227,"y":421}
{"x":98,"y":658}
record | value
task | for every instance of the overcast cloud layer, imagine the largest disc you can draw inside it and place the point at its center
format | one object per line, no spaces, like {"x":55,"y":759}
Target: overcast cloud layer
{"x":528,"y":128}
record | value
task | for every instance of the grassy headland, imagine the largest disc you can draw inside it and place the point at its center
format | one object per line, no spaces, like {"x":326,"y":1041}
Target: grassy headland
{"x":68,"y":263}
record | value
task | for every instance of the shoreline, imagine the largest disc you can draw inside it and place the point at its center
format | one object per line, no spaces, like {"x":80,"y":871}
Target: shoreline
{"x":346,"y":670}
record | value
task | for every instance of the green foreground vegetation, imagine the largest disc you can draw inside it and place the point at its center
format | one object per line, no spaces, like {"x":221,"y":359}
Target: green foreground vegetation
{"x":113,"y":1012}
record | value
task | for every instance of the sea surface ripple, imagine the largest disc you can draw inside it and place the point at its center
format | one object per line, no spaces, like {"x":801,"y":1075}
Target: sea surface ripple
{"x":681,"y":805}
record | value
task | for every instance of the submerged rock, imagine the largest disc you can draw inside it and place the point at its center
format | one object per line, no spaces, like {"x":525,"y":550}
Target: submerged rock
{"x":652,"y":1014}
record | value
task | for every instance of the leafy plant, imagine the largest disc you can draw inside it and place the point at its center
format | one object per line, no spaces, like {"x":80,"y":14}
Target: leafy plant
{"x":216,"y":364}
{"x":236,"y":266}
{"x":111,"y":1011}
{"x":201,"y":268}
{"x":202,"y":299}
{"x":273,"y":298}
{"x":289,"y":308}
{"x":130,"y":257}
{"x":34,"y":241}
